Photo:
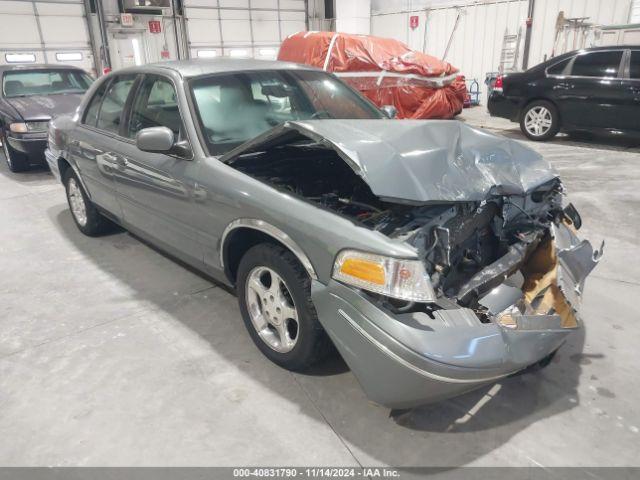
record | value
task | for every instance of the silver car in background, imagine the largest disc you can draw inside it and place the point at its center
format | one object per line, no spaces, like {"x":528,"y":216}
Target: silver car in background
{"x":436,"y":258}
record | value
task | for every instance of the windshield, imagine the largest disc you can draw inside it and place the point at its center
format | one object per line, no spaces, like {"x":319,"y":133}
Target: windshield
{"x":44,"y":82}
{"x":234,"y":108}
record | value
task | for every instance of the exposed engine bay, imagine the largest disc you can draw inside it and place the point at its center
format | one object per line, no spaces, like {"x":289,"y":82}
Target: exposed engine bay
{"x":468,"y":248}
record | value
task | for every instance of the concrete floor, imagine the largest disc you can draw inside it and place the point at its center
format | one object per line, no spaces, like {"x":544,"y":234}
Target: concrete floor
{"x":112,"y":354}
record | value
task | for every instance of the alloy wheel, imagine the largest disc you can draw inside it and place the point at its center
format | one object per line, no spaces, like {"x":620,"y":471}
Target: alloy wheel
{"x":76,"y":202}
{"x":538,"y":121}
{"x":271,"y":309}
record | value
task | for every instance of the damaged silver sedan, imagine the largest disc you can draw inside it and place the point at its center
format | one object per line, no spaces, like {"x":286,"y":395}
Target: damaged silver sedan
{"x":435,"y":257}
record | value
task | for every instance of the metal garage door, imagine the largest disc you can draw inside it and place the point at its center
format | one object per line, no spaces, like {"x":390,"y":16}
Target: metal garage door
{"x":241,"y":28}
{"x":47,"y":31}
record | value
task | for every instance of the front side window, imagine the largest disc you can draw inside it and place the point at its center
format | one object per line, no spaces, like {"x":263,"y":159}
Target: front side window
{"x":155,"y":105}
{"x":113,"y":104}
{"x":233,"y":108}
{"x":597,"y":64}
{"x":26,"y":83}
{"x":634,"y":67}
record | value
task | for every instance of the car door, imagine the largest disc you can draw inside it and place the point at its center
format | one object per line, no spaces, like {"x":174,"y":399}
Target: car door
{"x":630,"y":114}
{"x":591,"y":95}
{"x":157,"y":190}
{"x":97,"y":141}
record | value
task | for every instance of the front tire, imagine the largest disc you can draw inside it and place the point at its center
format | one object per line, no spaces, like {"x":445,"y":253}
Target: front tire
{"x":85,"y":214}
{"x":17,"y":161}
{"x":540,"y":120}
{"x":274,"y":293}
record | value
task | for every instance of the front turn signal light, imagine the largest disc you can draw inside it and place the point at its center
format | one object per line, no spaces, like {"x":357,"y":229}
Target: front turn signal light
{"x":404,"y":279}
{"x":19,"y":127}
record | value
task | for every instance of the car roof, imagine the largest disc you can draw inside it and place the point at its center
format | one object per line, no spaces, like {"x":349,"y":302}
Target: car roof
{"x":37,"y":66}
{"x":199,"y":67}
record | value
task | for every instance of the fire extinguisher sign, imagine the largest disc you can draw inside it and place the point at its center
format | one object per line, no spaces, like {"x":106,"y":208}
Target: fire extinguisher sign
{"x":414,"y":21}
{"x":155,"y":26}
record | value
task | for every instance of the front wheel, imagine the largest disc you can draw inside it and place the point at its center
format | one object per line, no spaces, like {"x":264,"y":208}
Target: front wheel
{"x":85,"y":214}
{"x":274,"y":293}
{"x":540,"y":120}
{"x":17,"y":161}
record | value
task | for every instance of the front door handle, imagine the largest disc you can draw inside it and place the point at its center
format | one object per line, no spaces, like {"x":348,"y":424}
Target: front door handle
{"x":122,"y":162}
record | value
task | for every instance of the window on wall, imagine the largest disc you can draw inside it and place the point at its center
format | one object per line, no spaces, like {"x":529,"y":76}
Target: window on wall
{"x":155,"y":105}
{"x":69,"y":57}
{"x":20,"y":57}
{"x":597,"y":64}
{"x":113,"y":103}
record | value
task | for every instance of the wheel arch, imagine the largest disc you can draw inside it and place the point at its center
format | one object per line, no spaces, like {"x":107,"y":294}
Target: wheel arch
{"x":242,"y":234}
{"x":64,"y":165}
{"x":540,"y":98}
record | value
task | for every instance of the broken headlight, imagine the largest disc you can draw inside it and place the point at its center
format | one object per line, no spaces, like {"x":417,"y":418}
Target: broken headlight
{"x":393,"y":277}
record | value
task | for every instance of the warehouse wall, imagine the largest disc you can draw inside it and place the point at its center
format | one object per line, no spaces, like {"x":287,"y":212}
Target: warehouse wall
{"x":477,"y":42}
{"x":52,"y":31}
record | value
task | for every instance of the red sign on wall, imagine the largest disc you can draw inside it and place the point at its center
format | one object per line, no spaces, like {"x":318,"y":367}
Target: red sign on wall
{"x":414,"y":20}
{"x":155,"y":26}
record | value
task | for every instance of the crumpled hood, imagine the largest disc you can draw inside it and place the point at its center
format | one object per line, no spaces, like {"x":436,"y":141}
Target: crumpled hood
{"x":44,"y":107}
{"x":421,"y":160}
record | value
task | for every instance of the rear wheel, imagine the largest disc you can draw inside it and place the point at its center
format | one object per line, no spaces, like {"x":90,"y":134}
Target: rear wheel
{"x":85,"y":214}
{"x":540,"y":120}
{"x":274,"y":293}
{"x":17,"y":161}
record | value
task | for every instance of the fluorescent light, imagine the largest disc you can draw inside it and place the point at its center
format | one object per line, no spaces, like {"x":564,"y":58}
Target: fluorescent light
{"x":206,"y":53}
{"x":20,"y":57}
{"x":238,"y":53}
{"x":69,"y":57}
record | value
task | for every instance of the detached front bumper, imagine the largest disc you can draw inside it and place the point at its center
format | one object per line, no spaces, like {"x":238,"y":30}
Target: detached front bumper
{"x":31,"y":144}
{"x":406,"y":360}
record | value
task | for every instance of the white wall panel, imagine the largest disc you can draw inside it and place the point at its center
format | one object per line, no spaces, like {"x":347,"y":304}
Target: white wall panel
{"x":45,"y":28}
{"x":254,"y":27}
{"x":477,"y":43}
{"x":603,"y":12}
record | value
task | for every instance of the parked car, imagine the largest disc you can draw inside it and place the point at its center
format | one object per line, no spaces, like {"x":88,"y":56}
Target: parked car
{"x":435,"y":257}
{"x":30,"y":96}
{"x":595,"y":90}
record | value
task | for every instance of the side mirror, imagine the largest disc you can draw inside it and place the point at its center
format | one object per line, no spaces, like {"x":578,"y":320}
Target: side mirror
{"x":389,"y":111}
{"x":161,"y":140}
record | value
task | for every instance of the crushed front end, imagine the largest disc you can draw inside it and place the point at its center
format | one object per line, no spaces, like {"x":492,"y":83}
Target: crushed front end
{"x":498,"y":269}
{"x":507,"y":274}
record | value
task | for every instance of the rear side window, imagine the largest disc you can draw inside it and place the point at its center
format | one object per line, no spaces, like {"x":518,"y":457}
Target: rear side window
{"x":635,"y":64}
{"x":113,"y":103}
{"x":597,"y":64}
{"x":91,"y":113}
{"x":558,"y":68}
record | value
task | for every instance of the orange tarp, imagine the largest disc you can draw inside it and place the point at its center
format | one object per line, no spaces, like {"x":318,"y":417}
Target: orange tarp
{"x":384,"y":70}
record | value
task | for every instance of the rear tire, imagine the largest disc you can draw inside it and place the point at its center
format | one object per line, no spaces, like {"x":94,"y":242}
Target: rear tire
{"x":274,"y":293}
{"x":17,"y":161}
{"x":85,"y":214}
{"x":540,"y":121}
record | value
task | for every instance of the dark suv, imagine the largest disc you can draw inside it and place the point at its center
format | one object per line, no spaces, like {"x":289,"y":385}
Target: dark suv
{"x":596,"y":90}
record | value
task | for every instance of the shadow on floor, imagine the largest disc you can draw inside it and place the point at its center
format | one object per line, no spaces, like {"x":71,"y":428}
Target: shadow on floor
{"x":450,"y":433}
{"x":577,"y":139}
